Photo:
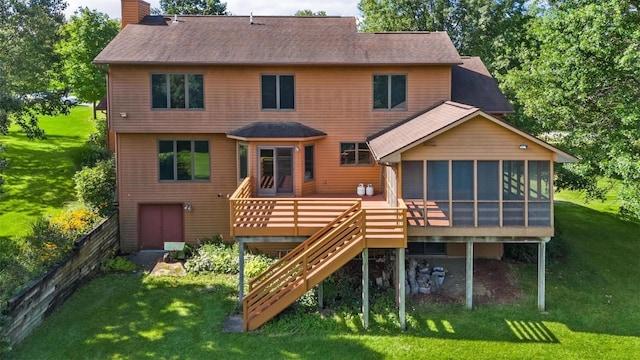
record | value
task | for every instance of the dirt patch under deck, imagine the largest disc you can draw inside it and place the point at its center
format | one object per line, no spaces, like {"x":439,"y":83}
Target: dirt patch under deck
{"x":493,"y":282}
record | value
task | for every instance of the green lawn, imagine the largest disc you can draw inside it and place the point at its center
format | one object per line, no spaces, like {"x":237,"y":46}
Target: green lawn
{"x":592,"y":298}
{"x":39,"y":179}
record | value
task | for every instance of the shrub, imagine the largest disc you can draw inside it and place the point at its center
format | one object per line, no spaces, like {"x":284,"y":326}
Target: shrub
{"x":342,"y":288}
{"x":99,"y":137}
{"x":49,"y":240}
{"x":255,"y":265}
{"x":308,"y":301}
{"x":215,"y":256}
{"x":96,"y":186}
{"x":47,"y":243}
{"x":76,"y":222}
{"x":557,"y":250}
{"x":95,"y":149}
{"x":89,"y":154}
{"x":118,"y":264}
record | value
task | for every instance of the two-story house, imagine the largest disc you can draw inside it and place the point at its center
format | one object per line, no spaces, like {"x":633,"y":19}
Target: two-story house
{"x":302,"y":133}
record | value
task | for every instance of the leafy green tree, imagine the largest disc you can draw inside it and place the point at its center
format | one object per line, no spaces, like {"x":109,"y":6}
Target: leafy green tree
{"x":194,"y":7}
{"x":581,"y":78}
{"x":308,"y":12}
{"x":28,"y":63}
{"x":491,"y":29}
{"x":85,"y":35}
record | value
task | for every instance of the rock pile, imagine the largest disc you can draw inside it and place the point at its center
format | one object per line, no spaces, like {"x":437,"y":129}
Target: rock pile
{"x":423,"y":279}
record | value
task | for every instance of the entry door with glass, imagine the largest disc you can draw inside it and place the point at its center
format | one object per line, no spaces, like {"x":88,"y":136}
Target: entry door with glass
{"x":276,"y":170}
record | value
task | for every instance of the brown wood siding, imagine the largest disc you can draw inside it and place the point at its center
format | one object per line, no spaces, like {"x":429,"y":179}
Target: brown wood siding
{"x":493,"y":250}
{"x":138,"y":184}
{"x":336,"y":100}
{"x":478,"y":139}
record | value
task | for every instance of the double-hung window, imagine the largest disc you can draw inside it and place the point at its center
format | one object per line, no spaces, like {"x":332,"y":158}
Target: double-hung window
{"x":177,"y":91}
{"x":183,"y":160}
{"x":278,"y":92}
{"x":355,"y":154}
{"x":390,"y":92}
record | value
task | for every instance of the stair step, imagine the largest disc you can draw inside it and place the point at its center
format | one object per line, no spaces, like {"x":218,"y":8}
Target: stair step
{"x":289,"y":289}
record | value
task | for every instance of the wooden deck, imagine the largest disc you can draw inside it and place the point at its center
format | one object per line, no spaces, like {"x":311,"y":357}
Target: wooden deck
{"x":284,"y":216}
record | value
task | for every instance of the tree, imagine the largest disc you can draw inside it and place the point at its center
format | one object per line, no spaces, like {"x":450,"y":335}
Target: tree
{"x":308,"y":12}
{"x":491,"y":29}
{"x":194,"y":7}
{"x":582,"y":79}
{"x":28,"y":63}
{"x":85,"y":35}
{"x":96,"y":186}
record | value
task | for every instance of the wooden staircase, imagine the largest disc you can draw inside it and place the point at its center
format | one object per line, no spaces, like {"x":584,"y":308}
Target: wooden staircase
{"x":304,"y":267}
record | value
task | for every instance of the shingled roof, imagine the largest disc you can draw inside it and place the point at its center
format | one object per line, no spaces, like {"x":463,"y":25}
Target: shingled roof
{"x":272,"y":40}
{"x":387,"y":144}
{"x":275,"y":130}
{"x":471,"y":83}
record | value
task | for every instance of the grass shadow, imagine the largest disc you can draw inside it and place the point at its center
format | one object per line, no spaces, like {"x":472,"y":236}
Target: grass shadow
{"x":39,"y":178}
{"x":133,"y":316}
{"x":594,"y":289}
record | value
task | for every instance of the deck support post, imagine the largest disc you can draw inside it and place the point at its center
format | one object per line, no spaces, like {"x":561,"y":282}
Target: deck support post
{"x":365,"y":287}
{"x":321,"y":295}
{"x":542,"y":247}
{"x":401,"y":290}
{"x":241,"y":270}
{"x":469,"y":274}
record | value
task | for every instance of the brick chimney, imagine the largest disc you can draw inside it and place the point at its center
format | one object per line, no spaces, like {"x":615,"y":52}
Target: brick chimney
{"x":133,"y":11}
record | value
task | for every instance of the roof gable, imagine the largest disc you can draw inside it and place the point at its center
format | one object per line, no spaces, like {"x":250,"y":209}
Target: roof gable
{"x":285,"y":40}
{"x":387,"y":145}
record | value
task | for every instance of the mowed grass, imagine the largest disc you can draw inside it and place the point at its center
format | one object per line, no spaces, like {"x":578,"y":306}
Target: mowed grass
{"x":592,"y":302}
{"x":39,"y":178}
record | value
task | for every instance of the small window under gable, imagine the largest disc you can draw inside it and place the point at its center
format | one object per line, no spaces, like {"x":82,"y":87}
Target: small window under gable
{"x":390,"y":92}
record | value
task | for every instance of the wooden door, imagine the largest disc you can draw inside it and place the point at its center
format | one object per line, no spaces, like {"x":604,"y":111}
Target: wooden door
{"x":159,"y":223}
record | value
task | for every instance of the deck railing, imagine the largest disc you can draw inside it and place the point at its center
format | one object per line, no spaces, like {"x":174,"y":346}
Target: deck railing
{"x":386,"y":226}
{"x":281,"y":216}
{"x":304,"y":267}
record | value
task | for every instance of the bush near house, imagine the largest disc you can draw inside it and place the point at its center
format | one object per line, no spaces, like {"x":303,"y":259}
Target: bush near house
{"x":558,"y":249}
{"x":215,"y":256}
{"x":96,"y":186}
